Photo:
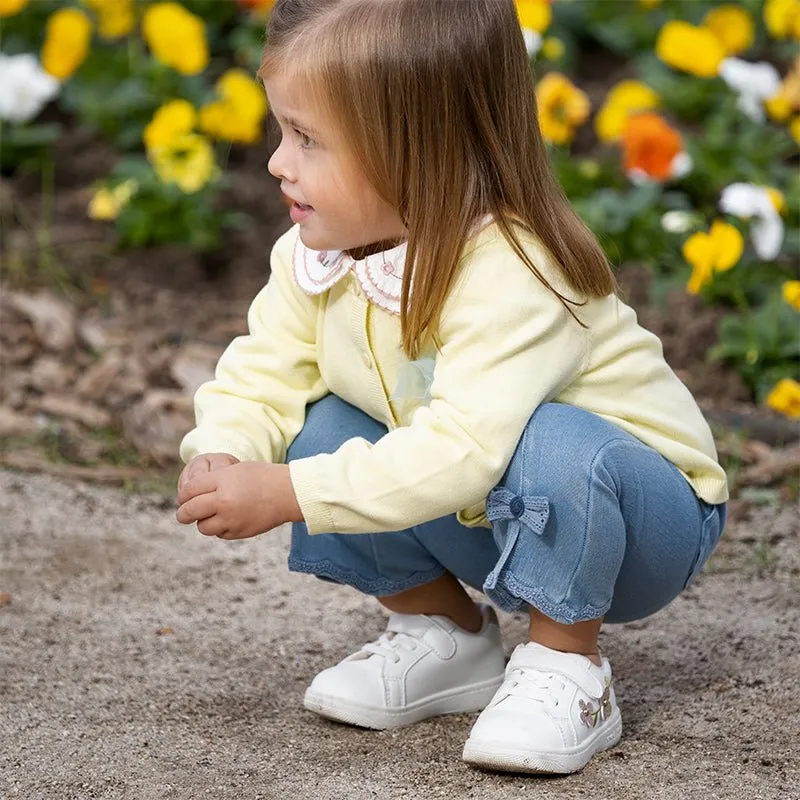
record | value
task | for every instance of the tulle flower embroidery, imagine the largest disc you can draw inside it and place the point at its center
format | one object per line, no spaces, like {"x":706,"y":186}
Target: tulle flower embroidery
{"x":414,"y":381}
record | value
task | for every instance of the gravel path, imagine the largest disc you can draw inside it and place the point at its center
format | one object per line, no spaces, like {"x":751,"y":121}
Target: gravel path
{"x":141,"y":661}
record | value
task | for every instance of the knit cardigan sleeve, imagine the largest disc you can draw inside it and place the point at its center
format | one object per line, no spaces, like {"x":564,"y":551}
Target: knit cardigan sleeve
{"x":255,"y":406}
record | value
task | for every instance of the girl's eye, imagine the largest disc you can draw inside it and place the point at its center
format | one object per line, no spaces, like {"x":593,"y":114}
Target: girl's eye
{"x":305,"y":140}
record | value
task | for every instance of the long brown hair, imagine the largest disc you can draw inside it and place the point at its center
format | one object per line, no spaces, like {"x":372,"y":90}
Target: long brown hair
{"x":437,"y":103}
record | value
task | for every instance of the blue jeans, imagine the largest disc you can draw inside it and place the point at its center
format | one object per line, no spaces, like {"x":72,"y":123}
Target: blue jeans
{"x":586,"y":522}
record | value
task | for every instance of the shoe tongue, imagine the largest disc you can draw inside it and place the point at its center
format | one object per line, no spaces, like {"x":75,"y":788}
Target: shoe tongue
{"x":575,"y":667}
{"x":413,"y":624}
{"x":533,"y":654}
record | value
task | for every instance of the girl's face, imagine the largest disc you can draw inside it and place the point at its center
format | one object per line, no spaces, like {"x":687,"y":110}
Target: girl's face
{"x":333,"y":203}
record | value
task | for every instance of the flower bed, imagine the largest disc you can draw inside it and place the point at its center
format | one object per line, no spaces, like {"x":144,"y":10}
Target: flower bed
{"x":674,"y":128}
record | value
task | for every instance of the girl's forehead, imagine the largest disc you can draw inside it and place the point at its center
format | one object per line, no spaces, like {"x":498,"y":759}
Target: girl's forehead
{"x":290,"y":92}
{"x":293,"y":99}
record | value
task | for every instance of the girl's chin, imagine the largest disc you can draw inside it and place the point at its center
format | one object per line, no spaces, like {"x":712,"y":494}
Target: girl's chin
{"x":314,"y":241}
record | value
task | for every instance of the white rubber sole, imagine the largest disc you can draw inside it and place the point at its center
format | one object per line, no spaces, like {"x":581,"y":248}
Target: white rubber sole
{"x":462,"y":700}
{"x":503,"y":758}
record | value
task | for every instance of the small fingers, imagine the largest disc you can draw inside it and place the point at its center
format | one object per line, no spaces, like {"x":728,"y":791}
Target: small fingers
{"x":197,"y":508}
{"x":197,"y":466}
{"x":230,"y":535}
{"x":203,"y":483}
{"x":213,"y":526}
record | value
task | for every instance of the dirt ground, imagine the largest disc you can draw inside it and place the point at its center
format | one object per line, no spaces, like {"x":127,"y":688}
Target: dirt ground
{"x":140,"y":661}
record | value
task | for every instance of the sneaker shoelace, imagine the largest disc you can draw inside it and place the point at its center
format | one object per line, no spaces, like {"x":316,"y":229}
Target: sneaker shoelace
{"x":388,"y":643}
{"x":534,"y":685}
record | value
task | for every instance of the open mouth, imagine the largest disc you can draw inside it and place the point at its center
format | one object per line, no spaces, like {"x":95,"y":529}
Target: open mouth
{"x":300,"y":211}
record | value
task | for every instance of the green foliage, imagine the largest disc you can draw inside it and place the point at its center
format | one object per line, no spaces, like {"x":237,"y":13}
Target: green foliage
{"x":160,"y":212}
{"x":26,"y":146}
{"x":763,"y":346}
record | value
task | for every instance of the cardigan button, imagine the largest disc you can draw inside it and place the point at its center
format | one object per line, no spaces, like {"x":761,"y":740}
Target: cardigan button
{"x":365,"y":356}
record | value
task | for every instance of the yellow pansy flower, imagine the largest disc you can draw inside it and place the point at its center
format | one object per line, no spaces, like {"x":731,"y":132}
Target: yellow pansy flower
{"x":173,"y":118}
{"x":785,"y":398}
{"x":623,"y":100}
{"x":778,"y":199}
{"x":689,"y":48}
{"x":552,"y":48}
{"x":786,"y":102}
{"x":239,"y":114}
{"x":782,"y":18}
{"x":733,"y":26}
{"x":791,"y":294}
{"x":562,"y":107}
{"x":107,"y":203}
{"x":188,"y":161}
{"x":66,"y":43}
{"x":10,"y":7}
{"x":534,"y":15}
{"x":115,"y":17}
{"x":716,"y":251}
{"x":794,"y":129}
{"x":779,"y":107}
{"x":176,"y":37}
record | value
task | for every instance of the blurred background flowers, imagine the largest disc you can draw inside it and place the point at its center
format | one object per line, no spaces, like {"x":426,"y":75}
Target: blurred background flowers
{"x":133,"y":149}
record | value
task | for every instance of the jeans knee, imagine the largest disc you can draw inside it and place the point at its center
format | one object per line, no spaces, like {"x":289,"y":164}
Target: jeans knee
{"x":561,"y":449}
{"x":329,"y":423}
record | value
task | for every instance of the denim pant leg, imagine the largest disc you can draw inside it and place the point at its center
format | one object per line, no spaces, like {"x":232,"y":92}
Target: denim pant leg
{"x":380,"y":563}
{"x":592,"y":522}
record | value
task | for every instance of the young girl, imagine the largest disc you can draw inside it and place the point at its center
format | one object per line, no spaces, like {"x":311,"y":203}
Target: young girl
{"x":461,"y":397}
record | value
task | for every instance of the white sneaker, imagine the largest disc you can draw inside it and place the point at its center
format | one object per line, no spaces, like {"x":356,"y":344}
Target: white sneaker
{"x":421,"y":667}
{"x":553,"y":712}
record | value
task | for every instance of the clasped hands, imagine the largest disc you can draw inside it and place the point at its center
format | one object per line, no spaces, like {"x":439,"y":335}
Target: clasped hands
{"x":230,"y":499}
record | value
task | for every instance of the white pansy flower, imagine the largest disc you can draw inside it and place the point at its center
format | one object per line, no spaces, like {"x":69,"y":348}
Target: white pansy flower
{"x":755,"y":83}
{"x":25,"y":88}
{"x":748,"y":201}
{"x":677,"y":221}
{"x":533,"y":41}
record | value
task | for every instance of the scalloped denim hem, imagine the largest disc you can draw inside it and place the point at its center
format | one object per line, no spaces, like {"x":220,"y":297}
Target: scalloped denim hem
{"x":510,"y":594}
{"x":327,"y":570}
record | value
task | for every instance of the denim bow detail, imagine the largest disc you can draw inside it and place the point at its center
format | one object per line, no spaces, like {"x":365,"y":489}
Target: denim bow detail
{"x":533,"y":512}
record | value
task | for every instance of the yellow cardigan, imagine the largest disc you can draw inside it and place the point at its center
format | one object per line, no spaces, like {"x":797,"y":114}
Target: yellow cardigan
{"x":506,"y":345}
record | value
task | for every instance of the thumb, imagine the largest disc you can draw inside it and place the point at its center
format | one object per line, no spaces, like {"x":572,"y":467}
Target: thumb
{"x":197,"y":466}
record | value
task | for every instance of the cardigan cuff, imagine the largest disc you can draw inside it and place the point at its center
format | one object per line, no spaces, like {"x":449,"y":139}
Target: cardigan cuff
{"x":317,"y":514}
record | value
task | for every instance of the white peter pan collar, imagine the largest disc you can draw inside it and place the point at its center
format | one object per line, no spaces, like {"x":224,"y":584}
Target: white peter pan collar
{"x":380,"y":275}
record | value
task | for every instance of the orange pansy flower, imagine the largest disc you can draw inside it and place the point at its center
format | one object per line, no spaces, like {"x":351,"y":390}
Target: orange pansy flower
{"x":650,"y":145}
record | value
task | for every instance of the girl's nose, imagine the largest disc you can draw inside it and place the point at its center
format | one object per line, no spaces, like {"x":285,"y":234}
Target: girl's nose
{"x":279,"y":164}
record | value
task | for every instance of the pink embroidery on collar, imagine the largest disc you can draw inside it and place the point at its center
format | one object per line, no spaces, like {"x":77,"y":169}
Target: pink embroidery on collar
{"x":380,"y":275}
